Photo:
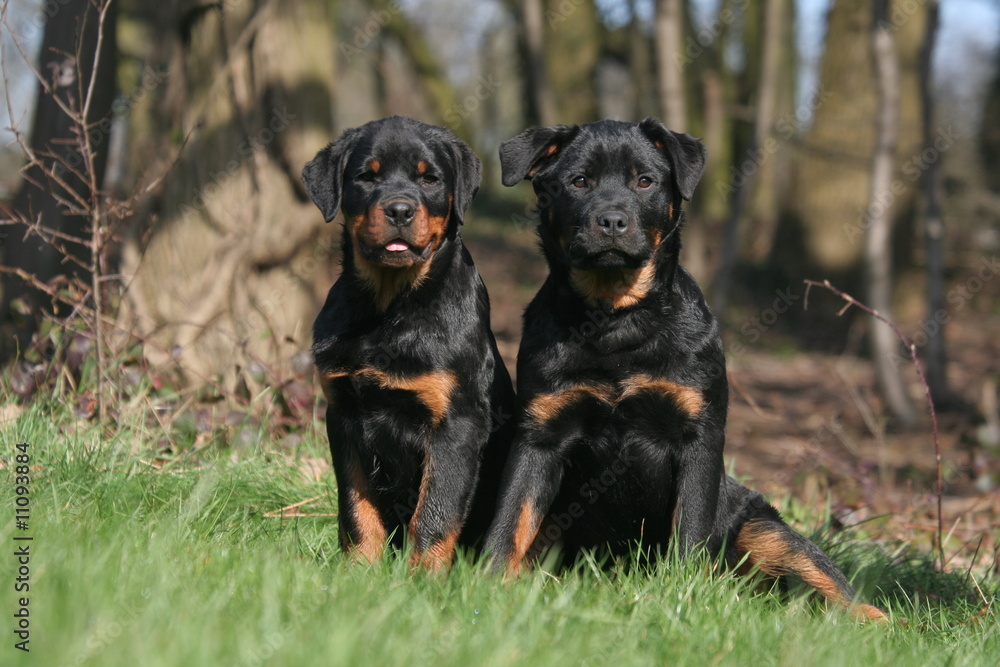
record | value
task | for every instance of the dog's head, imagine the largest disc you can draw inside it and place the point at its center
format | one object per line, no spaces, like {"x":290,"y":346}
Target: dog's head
{"x":608,"y":192}
{"x":403,"y":186}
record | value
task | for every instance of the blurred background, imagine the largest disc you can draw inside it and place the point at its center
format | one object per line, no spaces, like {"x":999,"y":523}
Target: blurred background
{"x":850,"y":141}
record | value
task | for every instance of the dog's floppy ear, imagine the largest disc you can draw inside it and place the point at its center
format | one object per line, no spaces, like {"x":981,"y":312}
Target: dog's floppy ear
{"x":468,"y":175}
{"x":530,"y":151}
{"x":686,"y":154}
{"x":323,"y":176}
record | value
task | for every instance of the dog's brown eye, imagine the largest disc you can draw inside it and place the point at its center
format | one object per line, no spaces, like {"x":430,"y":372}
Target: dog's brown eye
{"x":645,"y":182}
{"x":580,"y":181}
{"x":368,"y":176}
{"x":429,"y":179}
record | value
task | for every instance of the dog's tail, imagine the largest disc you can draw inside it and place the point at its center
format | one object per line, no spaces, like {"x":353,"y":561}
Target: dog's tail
{"x":771,"y":546}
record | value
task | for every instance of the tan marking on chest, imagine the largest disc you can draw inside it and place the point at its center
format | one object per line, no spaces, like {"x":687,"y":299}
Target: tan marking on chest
{"x":545,"y":407}
{"x":433,"y":389}
{"x":688,"y":399}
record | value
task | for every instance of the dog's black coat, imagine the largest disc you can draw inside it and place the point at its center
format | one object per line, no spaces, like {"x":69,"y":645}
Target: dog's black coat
{"x":419,"y":398}
{"x":621,"y":370}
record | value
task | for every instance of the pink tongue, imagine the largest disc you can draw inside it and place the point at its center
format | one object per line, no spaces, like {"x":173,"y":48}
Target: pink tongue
{"x":396,"y":246}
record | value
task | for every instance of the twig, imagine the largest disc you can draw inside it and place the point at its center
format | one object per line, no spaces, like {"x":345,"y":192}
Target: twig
{"x":96,"y":218}
{"x":88,"y":98}
{"x":975,"y":555}
{"x":988,"y":603}
{"x":868,"y":416}
{"x":286,"y":510}
{"x":912,"y":349}
{"x":735,"y":384}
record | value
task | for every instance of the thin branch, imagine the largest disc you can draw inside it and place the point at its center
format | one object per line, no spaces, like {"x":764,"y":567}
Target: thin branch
{"x":46,"y":86}
{"x":36,"y":160}
{"x":912,"y":349}
{"x":96,"y":218}
{"x":103,"y":12}
{"x":292,"y":510}
{"x":47,"y":234}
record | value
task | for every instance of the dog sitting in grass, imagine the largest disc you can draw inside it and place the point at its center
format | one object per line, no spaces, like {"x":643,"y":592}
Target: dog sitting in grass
{"x":419,"y":397}
{"x":621,"y":371}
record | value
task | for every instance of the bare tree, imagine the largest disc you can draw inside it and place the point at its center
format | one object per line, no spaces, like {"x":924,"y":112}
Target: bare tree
{"x":66,"y":155}
{"x":878,"y":250}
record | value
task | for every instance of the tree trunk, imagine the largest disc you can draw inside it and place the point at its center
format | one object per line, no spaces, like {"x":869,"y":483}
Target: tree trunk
{"x":774,"y":176}
{"x":67,"y":62}
{"x":668,"y":37}
{"x":936,"y":357}
{"x":671,"y":58}
{"x":541,"y":105}
{"x":640,"y":62}
{"x":427,"y":72}
{"x":748,"y":169}
{"x":711,"y":82}
{"x":822,"y":227}
{"x":878,"y":250}
{"x":574,"y":39}
{"x":230,"y":266}
{"x":989,"y":131}
{"x":832,"y":177}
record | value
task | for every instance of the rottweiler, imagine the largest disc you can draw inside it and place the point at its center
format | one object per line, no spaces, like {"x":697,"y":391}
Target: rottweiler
{"x":420,"y":401}
{"x":621,"y":372}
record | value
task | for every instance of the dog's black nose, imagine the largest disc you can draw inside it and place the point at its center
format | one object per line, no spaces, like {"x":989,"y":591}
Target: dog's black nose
{"x":612,"y":223}
{"x":400,"y":213}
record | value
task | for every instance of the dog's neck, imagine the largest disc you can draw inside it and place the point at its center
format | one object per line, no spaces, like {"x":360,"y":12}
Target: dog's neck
{"x":613,"y":289}
{"x":384,"y":283}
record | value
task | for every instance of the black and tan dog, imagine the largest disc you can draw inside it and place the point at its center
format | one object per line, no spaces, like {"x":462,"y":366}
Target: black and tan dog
{"x":621,"y":371}
{"x":418,"y":394}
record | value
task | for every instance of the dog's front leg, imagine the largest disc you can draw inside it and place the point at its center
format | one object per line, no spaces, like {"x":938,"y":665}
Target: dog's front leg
{"x":530,"y":483}
{"x":700,"y":476}
{"x":362,"y":526}
{"x":447,"y":484}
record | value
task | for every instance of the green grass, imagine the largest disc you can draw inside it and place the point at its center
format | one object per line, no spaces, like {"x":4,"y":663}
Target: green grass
{"x":179,"y":566}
